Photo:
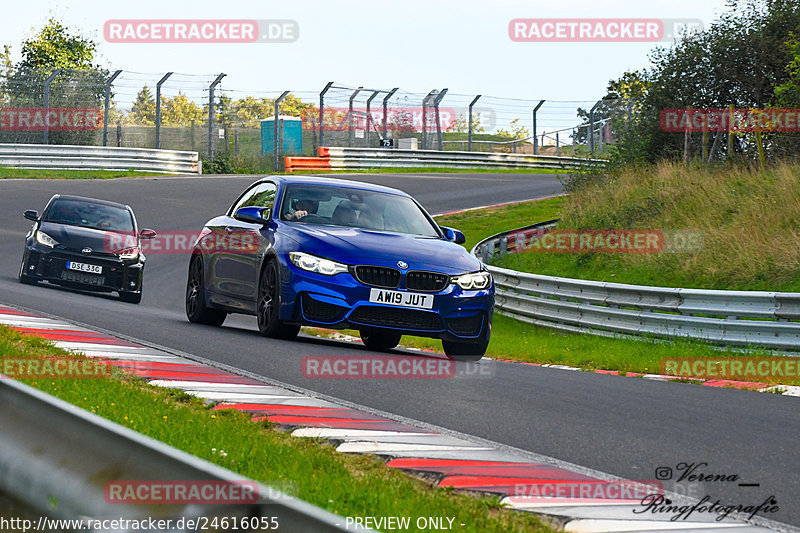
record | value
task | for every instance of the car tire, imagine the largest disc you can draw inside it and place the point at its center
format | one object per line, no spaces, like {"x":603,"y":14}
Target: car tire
{"x":24,"y":278}
{"x":464,"y":351}
{"x":268,"y":305}
{"x":196,"y":310}
{"x":130,"y":297}
{"x":380,"y":340}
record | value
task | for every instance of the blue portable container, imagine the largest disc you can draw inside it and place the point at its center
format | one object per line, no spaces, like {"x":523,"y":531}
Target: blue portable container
{"x":292,"y":128}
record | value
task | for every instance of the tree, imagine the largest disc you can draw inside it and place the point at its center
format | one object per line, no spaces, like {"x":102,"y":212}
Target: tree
{"x":461,"y":124}
{"x":143,"y":110}
{"x":179,"y":110}
{"x":516,"y":131}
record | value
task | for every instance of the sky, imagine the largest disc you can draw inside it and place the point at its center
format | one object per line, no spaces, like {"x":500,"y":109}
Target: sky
{"x":417,"y":45}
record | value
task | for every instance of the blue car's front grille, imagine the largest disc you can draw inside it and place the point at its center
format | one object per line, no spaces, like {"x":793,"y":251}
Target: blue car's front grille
{"x":375,"y":276}
{"x":396,"y":317}
{"x":418,"y":280}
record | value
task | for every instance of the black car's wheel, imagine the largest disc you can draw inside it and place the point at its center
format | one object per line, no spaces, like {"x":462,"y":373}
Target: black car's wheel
{"x":24,"y":278}
{"x":268,"y":304}
{"x":196,"y":310}
{"x":380,"y":340}
{"x":464,"y":351}
{"x":130,"y":297}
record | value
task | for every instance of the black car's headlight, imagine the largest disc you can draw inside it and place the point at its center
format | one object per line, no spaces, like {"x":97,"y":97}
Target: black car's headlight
{"x":312,"y":263}
{"x":128,"y":254}
{"x":45,"y":240}
{"x":473,"y":280}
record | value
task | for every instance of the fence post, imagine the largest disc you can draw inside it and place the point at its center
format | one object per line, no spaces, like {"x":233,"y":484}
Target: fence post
{"x":558,"y":145}
{"x":322,"y":111}
{"x":386,"y":110}
{"x":211,"y":115}
{"x":730,"y":132}
{"x":236,"y":139}
{"x":350,"y":117}
{"x":686,"y":137}
{"x":436,"y":103}
{"x":119,"y":134}
{"x":591,"y":128}
{"x":158,"y":108}
{"x":107,"y":104}
{"x":277,"y":131}
{"x":535,"y":141}
{"x":425,"y":104}
{"x":369,"y":118}
{"x":49,"y":79}
{"x":469,"y":135}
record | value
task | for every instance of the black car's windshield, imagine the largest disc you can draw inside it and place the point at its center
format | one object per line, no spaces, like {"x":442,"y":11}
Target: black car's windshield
{"x":89,"y":215}
{"x":355,"y":208}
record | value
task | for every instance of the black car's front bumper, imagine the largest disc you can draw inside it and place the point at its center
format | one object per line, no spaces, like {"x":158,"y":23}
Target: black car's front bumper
{"x":44,"y":264}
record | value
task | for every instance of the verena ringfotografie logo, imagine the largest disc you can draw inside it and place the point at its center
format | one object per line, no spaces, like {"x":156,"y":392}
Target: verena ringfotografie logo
{"x":715,"y":120}
{"x":200,"y":31}
{"x":52,"y":118}
{"x":605,"y":30}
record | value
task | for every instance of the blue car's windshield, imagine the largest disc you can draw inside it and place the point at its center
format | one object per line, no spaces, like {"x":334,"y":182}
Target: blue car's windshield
{"x":89,"y":215}
{"x":355,"y":208}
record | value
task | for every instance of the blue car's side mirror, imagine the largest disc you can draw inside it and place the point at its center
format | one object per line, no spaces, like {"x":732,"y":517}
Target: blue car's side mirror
{"x":454,"y":235}
{"x":252,"y":215}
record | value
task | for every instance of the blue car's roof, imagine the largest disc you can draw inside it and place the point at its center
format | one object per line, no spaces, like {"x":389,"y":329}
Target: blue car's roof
{"x":332,"y":182}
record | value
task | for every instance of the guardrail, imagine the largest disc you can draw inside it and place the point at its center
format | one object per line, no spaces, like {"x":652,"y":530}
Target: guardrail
{"x":331,"y":158}
{"x":71,"y":157}
{"x":57,"y":459}
{"x":734,"y":318}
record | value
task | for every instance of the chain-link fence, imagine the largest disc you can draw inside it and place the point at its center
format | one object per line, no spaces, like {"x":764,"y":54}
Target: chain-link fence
{"x":204,"y":113}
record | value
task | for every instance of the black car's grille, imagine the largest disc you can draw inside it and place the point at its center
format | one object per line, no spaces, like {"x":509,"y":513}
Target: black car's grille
{"x":467,"y":326}
{"x":54,"y":266}
{"x":418,"y":280}
{"x":394,"y":317}
{"x":320,"y":311}
{"x":375,"y":276}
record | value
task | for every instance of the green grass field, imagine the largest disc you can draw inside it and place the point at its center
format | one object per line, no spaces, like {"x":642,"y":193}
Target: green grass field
{"x":34,"y":173}
{"x":311,"y":469}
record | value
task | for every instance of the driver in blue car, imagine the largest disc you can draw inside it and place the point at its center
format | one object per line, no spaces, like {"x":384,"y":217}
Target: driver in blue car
{"x":303,"y":207}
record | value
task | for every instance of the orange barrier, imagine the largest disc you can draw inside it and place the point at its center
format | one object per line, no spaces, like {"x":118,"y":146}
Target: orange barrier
{"x":307,"y":163}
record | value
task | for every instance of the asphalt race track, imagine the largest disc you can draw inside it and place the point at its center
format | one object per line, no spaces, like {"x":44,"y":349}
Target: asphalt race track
{"x":623,"y":426}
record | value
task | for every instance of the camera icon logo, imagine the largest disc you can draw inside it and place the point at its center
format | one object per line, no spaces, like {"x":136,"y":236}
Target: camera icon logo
{"x":663,"y":473}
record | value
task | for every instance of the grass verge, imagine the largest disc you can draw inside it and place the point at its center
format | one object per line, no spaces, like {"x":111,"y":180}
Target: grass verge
{"x":744,"y":220}
{"x":439,"y":170}
{"x":35,"y":173}
{"x":352,"y":485}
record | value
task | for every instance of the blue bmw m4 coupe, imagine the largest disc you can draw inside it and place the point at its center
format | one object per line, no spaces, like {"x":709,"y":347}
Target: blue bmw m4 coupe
{"x":340,"y":254}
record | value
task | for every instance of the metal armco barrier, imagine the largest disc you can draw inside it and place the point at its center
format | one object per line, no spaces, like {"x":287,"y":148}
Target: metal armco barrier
{"x":359,"y":158}
{"x":69,"y":157}
{"x":57,"y":459}
{"x":735,"y":318}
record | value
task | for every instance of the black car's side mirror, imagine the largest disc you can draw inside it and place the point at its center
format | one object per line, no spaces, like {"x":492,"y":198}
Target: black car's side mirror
{"x":147,"y":234}
{"x":454,"y":235}
{"x":253,"y":215}
{"x":30,"y":214}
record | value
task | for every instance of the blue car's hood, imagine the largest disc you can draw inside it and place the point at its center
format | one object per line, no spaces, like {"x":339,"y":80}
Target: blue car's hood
{"x":359,"y":246}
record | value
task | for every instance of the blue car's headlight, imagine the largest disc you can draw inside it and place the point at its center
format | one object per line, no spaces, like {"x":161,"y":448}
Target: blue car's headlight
{"x":312,"y":263}
{"x":473,"y":280}
{"x":45,"y":239}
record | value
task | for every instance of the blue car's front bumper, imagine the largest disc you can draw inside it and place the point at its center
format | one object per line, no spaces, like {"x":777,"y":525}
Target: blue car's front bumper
{"x":341,"y":301}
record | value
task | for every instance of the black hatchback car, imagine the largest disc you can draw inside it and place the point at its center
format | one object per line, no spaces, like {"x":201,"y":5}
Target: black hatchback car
{"x":87,"y":244}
